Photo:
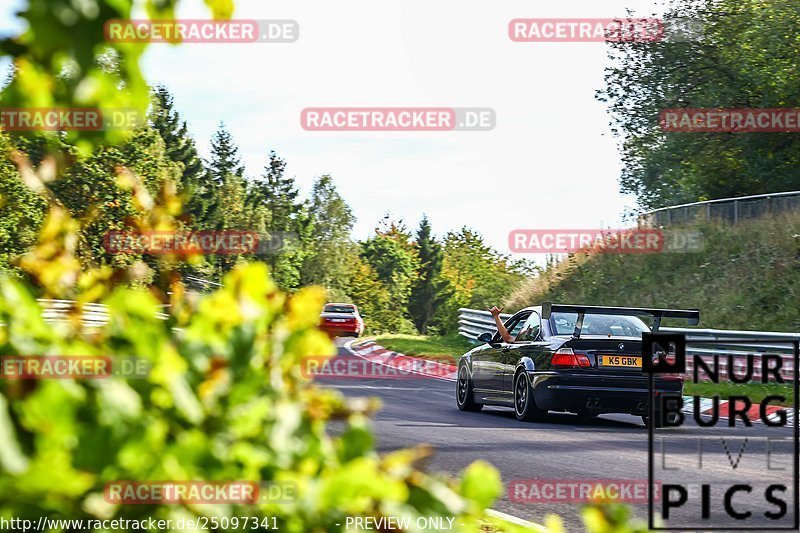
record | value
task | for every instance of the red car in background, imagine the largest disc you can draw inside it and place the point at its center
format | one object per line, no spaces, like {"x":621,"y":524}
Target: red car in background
{"x":341,"y":320}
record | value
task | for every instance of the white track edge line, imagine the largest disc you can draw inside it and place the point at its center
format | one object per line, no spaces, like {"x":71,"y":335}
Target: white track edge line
{"x":516,"y":520}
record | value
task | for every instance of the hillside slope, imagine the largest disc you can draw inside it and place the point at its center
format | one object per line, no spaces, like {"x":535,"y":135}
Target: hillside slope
{"x":746,"y":277}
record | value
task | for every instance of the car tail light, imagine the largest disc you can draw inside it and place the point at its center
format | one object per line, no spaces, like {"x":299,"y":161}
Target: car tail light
{"x":566,"y":357}
{"x":563,"y":357}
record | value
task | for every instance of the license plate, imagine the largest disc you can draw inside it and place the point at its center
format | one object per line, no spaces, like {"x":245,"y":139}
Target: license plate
{"x":620,"y":360}
{"x":337,"y":319}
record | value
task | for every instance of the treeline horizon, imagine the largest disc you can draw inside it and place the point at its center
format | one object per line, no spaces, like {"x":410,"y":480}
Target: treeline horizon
{"x":395,"y":269}
{"x":740,"y":54}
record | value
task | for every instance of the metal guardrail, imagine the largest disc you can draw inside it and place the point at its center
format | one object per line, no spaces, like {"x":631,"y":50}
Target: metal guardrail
{"x":748,"y":340}
{"x":202,"y":284}
{"x":728,"y":209}
{"x":92,"y":315}
{"x":95,"y":315}
{"x":738,"y":344}
{"x":473,"y":322}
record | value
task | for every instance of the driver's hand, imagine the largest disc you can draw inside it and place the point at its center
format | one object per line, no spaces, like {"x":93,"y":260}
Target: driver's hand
{"x":495,"y":311}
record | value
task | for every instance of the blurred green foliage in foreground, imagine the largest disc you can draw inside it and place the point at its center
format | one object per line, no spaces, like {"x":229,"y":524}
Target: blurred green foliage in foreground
{"x":225,"y":400}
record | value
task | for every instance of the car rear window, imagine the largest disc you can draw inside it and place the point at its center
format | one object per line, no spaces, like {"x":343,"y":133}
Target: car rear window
{"x":616,"y":326}
{"x":339,"y":309}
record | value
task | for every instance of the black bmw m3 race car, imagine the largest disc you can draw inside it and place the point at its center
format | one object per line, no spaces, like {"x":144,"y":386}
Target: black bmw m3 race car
{"x":575,"y":358}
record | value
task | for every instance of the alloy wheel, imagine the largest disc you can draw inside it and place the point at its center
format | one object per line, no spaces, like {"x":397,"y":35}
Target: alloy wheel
{"x":463,"y":385}
{"x":521,"y":393}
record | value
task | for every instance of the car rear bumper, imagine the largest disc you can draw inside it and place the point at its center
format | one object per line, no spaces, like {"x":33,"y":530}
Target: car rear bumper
{"x":340,"y":329}
{"x":599,"y":394}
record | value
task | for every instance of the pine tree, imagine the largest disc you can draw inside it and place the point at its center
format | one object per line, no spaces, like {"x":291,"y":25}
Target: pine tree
{"x":201,"y":195}
{"x":225,"y":173}
{"x":234,"y":210}
{"x":330,"y":247}
{"x":225,"y":161}
{"x":333,"y":218}
{"x":278,"y":193}
{"x":429,"y":290}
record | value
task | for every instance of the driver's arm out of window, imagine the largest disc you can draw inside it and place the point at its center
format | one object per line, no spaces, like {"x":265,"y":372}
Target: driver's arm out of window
{"x":501,"y":328}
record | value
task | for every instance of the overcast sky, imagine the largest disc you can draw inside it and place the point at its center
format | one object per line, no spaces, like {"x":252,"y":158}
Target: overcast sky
{"x":550,"y":162}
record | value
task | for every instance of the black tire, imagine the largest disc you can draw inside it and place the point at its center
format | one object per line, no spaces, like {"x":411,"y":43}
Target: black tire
{"x":465,"y":398}
{"x":524,"y":404}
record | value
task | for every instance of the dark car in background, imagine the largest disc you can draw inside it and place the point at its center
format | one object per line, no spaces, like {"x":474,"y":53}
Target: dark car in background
{"x":341,"y":319}
{"x":571,"y":358}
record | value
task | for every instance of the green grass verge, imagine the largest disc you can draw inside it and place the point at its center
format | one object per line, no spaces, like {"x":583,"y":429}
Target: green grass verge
{"x":746,"y":277}
{"x":425,"y":345}
{"x":755,"y":391}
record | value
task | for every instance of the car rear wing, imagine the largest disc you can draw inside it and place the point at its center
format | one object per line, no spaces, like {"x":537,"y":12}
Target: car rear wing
{"x":548,"y":308}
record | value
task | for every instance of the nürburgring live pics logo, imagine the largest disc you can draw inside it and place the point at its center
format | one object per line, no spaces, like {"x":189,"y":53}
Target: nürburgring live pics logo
{"x":723,"y":465}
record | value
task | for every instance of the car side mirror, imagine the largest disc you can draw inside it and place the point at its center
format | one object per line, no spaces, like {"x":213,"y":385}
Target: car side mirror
{"x":485,"y":337}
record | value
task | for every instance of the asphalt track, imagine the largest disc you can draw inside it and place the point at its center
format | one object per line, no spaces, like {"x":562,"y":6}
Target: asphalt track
{"x":610,"y":447}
